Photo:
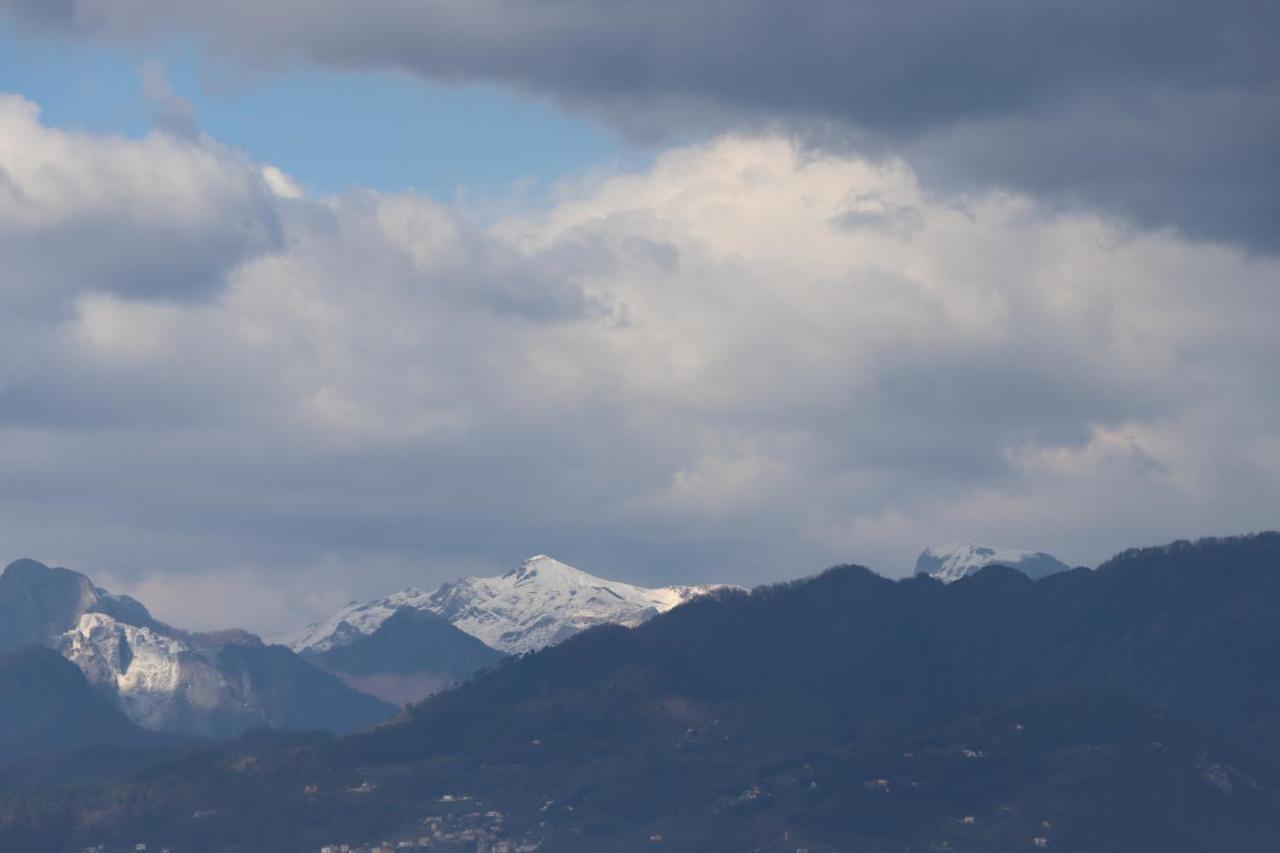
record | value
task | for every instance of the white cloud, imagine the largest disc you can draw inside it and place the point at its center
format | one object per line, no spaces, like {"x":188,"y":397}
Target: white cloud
{"x":163,"y":216}
{"x":706,"y":370}
{"x":281,"y":184}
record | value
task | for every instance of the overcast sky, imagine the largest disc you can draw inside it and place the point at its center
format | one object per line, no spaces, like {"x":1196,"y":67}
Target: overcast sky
{"x":303,"y":302}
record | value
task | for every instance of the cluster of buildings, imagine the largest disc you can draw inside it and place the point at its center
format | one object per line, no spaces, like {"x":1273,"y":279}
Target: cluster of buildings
{"x":455,"y":830}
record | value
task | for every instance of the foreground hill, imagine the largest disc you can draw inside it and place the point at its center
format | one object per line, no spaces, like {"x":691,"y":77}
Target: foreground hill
{"x":1131,"y":708}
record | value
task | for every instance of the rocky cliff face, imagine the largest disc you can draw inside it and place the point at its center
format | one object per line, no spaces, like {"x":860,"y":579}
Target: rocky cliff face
{"x":166,"y":679}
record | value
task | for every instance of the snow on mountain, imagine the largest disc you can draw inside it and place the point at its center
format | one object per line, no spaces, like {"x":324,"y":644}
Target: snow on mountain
{"x":950,"y":563}
{"x":545,"y":601}
{"x":539,"y":604}
{"x":352,"y":622}
{"x":145,"y":669}
{"x":164,"y":678}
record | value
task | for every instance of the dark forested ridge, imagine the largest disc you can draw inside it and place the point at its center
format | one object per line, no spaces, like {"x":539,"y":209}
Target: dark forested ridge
{"x":1128,"y":708}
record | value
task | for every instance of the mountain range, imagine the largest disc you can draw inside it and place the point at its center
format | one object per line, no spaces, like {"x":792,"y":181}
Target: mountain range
{"x":380,"y":654}
{"x":1127,"y":708}
{"x":347,"y":672}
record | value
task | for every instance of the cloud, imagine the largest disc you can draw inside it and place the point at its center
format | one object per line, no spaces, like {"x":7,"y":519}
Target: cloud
{"x":1166,"y":119}
{"x":164,"y":216}
{"x":745,"y":362}
{"x":170,"y":111}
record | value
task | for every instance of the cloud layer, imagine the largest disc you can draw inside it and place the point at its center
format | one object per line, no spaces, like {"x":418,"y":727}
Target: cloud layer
{"x":1166,"y":117}
{"x":745,"y":363}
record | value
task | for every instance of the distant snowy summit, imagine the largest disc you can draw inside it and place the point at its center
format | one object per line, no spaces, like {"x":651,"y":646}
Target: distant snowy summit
{"x":950,"y":563}
{"x":539,"y":604}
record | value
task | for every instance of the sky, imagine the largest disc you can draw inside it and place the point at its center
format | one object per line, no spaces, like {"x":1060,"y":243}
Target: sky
{"x":308,"y":302}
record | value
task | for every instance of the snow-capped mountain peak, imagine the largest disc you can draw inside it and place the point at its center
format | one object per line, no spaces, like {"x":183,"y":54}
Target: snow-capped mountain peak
{"x":545,"y":565}
{"x":950,"y":563}
{"x":537,"y":604}
{"x":163,"y":677}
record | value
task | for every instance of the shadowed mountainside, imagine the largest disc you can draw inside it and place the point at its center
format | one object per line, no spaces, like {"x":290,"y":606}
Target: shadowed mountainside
{"x":47,"y":705}
{"x":411,"y":655}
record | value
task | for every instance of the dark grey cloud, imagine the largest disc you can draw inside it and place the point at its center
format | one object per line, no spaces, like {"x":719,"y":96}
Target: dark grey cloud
{"x":1168,"y":115}
{"x":54,"y":14}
